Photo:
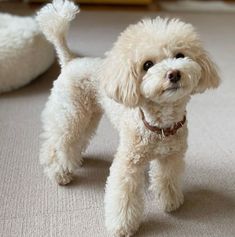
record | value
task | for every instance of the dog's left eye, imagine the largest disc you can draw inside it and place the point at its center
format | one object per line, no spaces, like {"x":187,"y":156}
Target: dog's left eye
{"x":179,"y":55}
{"x":148,"y":64}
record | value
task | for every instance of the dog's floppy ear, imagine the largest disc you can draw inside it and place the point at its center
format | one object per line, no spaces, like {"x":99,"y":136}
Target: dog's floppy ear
{"x":120,"y":80}
{"x":209,"y":75}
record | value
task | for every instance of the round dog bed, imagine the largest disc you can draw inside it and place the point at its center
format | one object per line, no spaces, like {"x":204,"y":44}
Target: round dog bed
{"x":24,"y":52}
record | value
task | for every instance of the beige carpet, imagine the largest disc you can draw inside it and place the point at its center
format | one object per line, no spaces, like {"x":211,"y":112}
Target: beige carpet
{"x":32,"y":206}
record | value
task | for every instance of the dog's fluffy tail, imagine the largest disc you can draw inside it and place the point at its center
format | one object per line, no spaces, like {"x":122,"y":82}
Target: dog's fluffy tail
{"x":54,"y":20}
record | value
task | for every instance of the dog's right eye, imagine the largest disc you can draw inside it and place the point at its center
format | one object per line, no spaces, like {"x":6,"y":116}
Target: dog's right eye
{"x":148,"y":64}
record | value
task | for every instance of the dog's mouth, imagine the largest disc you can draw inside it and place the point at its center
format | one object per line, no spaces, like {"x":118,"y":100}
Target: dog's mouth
{"x":172,"y":88}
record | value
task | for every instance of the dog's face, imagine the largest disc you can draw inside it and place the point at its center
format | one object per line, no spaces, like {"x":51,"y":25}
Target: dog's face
{"x":157,"y":60}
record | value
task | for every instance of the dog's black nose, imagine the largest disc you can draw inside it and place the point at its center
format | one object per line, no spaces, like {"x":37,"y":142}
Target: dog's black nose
{"x":173,"y":75}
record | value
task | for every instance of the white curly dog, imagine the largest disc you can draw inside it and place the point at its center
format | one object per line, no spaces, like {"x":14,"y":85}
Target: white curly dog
{"x":143,"y":84}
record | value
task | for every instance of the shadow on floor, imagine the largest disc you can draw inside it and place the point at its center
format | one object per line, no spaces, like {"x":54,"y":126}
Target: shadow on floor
{"x":93,"y":173}
{"x":200,"y":205}
{"x":153,"y":227}
{"x":204,"y":203}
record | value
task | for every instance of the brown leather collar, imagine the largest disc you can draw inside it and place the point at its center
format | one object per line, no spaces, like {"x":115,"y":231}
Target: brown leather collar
{"x":165,"y":132}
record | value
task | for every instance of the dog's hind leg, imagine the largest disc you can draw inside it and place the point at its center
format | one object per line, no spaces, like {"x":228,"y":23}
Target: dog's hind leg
{"x":91,"y":128}
{"x":68,"y":122}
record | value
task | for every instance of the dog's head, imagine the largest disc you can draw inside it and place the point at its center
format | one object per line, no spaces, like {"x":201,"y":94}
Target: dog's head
{"x":159,"y":60}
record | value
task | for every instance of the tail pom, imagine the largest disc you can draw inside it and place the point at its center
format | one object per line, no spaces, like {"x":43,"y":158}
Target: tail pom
{"x":54,"y":18}
{"x":65,"y":9}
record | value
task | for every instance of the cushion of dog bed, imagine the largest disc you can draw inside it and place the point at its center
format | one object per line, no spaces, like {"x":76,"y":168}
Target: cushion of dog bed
{"x":24,"y":52}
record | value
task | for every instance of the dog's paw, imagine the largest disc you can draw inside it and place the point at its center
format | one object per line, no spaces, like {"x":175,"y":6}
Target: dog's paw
{"x":170,"y":199}
{"x":122,"y":227}
{"x":64,"y":177}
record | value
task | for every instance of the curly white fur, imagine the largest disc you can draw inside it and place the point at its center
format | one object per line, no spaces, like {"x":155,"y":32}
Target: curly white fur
{"x":119,"y":86}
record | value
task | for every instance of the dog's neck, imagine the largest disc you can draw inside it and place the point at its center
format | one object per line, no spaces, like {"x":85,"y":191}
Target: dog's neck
{"x":165,"y":114}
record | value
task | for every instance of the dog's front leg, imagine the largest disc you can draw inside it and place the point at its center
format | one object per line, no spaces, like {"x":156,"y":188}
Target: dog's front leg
{"x":165,"y":177}
{"x":124,"y":193}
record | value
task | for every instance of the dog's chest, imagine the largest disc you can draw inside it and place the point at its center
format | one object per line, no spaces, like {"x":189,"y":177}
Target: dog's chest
{"x":161,"y":146}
